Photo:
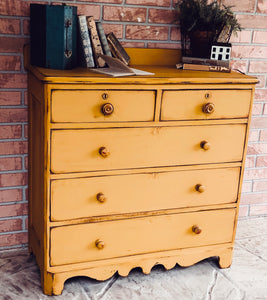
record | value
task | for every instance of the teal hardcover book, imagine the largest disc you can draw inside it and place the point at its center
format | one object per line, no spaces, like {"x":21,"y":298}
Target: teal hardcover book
{"x":53,"y":31}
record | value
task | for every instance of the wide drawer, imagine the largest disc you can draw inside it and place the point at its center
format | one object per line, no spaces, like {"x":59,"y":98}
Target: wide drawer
{"x":205,"y":104}
{"x":77,"y":243}
{"x":107,"y":195}
{"x":89,"y":105}
{"x":79,"y":150}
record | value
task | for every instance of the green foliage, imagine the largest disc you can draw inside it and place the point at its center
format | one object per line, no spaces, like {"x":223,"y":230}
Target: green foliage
{"x":203,"y":15}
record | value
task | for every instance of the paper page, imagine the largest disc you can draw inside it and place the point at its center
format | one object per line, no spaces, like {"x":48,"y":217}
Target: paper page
{"x":141,"y":72}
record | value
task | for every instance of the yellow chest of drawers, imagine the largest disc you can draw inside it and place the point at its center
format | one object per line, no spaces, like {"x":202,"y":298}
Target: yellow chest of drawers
{"x":134,"y":171}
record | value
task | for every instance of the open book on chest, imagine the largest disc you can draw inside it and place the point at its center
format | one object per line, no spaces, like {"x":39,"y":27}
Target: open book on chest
{"x":117,"y":68}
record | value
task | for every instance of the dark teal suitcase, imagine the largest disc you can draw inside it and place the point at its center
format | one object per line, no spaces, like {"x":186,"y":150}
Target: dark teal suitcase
{"x":53,"y":31}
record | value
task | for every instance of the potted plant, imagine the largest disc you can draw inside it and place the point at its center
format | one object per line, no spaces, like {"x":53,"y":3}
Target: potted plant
{"x":204,"y":22}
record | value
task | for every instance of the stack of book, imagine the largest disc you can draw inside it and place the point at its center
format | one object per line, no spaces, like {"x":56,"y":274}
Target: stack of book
{"x":204,"y":64}
{"x":95,"y":45}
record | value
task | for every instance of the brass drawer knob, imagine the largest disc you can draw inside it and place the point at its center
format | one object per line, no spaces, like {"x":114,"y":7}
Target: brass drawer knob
{"x":107,"y":109}
{"x":196,"y":229}
{"x":104,"y":96}
{"x":101,"y":197}
{"x":104,"y":152}
{"x":205,"y":145}
{"x":200,"y":188}
{"x":99,"y":244}
{"x":208,"y":108}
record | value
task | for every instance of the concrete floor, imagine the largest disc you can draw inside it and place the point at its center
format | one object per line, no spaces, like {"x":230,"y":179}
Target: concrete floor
{"x":245,"y":279}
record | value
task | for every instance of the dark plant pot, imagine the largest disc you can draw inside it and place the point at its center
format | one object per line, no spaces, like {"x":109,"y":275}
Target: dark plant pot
{"x":200,"y":43}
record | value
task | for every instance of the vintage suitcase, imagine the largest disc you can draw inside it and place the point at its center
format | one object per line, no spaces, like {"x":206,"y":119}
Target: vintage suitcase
{"x":53,"y":36}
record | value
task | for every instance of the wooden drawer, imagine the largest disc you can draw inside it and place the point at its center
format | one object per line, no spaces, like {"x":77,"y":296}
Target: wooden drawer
{"x":191,"y":104}
{"x":107,"y":195}
{"x":86,"y":105}
{"x":78,"y":150}
{"x":76,"y":243}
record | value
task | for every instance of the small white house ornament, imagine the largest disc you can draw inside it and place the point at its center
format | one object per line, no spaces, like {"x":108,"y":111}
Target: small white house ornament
{"x":221,"y":51}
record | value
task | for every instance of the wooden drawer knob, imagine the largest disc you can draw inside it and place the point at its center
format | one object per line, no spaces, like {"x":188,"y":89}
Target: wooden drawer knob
{"x":104,"y":152}
{"x":107,"y":109}
{"x":200,"y":188}
{"x":99,"y":244}
{"x":208,"y":108}
{"x":101,"y":197}
{"x":196,"y":229}
{"x":205,"y":145}
{"x":104,"y":96}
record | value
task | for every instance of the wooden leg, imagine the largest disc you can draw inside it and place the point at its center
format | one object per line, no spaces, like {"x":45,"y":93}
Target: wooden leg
{"x":47,"y":282}
{"x":225,"y":258}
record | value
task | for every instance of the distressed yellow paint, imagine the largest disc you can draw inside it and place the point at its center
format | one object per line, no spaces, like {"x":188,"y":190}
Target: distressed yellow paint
{"x":156,"y":181}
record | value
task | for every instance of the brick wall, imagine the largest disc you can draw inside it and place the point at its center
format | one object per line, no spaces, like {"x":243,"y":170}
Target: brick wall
{"x":138,"y":23}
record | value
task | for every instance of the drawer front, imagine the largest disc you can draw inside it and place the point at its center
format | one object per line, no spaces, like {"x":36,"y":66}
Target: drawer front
{"x":79,"y":150}
{"x":107,"y":195}
{"x":94,"y":106}
{"x":77,"y":243}
{"x":205,"y":104}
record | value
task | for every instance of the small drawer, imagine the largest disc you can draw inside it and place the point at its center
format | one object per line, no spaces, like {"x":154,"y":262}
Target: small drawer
{"x":102,"y":105}
{"x":205,"y":104}
{"x":104,"y":240}
{"x":122,"y":148}
{"x":107,"y":195}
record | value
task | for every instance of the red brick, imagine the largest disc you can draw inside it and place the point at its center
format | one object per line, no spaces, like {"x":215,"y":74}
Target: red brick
{"x":26,"y":131}
{"x":139,"y":32}
{"x":261,"y":82}
{"x":13,"y":115}
{"x":263,"y":135}
{"x":259,"y":122}
{"x":10,"y":195}
{"x":260,"y":37}
{"x":10,"y":98}
{"x":15,"y":8}
{"x":252,"y":21}
{"x":26,"y":98}
{"x":257,"y":109}
{"x":253,"y":198}
{"x":133,"y":44}
{"x":13,"y":239}
{"x":243,"y":211}
{"x":26,"y":27}
{"x":175,"y":34}
{"x":253,"y":135}
{"x":251,"y":174}
{"x":15,"y":81}
{"x":10,"y":131}
{"x":260,"y":95}
{"x":257,"y":148}
{"x":164,"y":45}
{"x":262,"y":7}
{"x":26,"y":223}
{"x":257,"y":210}
{"x":243,"y":36}
{"x":261,"y":161}
{"x":105,"y":1}
{"x":124,"y":14}
{"x":162,"y":16}
{"x":249,"y":51}
{"x":13,"y":179}
{"x":13,"y":210}
{"x":260,"y":186}
{"x":240,"y":65}
{"x":9,"y":26}
{"x":115,"y":28}
{"x":10,"y":225}
{"x":241,"y":6}
{"x":166,"y":3}
{"x":10,"y":163}
{"x":246,"y":186}
{"x":265,"y":109}
{"x":10,"y":63}
{"x":89,"y":10}
{"x":13,"y":148}
{"x":26,"y":163}
{"x":250,"y":162}
{"x":12,"y":44}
